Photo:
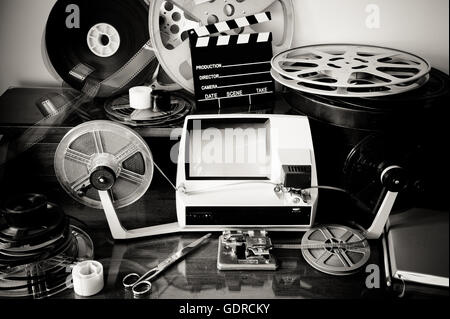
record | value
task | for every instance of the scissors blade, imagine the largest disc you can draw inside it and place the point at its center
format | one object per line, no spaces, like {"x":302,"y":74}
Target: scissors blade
{"x":179,"y":254}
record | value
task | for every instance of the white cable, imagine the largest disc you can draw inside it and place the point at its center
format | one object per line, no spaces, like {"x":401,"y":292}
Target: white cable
{"x":204,"y":190}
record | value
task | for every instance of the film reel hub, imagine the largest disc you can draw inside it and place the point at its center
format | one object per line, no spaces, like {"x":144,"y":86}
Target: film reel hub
{"x":103,"y":178}
{"x":27,"y":210}
{"x":103,"y":40}
{"x":30,"y":220}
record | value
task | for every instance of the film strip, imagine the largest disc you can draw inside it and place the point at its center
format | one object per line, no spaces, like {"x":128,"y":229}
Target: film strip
{"x":231,"y":70}
{"x":90,"y":60}
{"x":90,"y":90}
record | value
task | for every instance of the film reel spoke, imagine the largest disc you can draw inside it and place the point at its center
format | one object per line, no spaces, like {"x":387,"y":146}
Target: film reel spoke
{"x":343,"y":257}
{"x":131,"y":176}
{"x":126,"y":152}
{"x":121,"y":107}
{"x":382,"y":56}
{"x":346,"y":236}
{"x":356,"y":249}
{"x":82,"y":182}
{"x":98,"y":142}
{"x":326,"y":233}
{"x":324,"y":257}
{"x":383,"y":75}
{"x":78,"y":157}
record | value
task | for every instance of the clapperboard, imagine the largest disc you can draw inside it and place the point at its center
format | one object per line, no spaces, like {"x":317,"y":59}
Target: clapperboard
{"x":231,"y":70}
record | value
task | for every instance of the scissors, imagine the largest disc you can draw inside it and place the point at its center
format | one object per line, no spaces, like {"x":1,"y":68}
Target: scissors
{"x":141,"y":285}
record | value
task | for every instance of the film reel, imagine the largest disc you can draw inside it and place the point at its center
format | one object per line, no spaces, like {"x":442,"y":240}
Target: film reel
{"x":103,"y":155}
{"x":30,"y":224}
{"x":350,"y":66}
{"x":97,"y":39}
{"x":178,"y":106}
{"x":348,"y":92}
{"x":170,"y":21}
{"x":46,"y":277}
{"x":374,"y":113}
{"x":335,"y":261}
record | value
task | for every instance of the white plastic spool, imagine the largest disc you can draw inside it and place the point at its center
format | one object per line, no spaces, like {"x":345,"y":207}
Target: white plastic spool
{"x":103,"y":40}
{"x":140,"y":97}
{"x":88,"y":278}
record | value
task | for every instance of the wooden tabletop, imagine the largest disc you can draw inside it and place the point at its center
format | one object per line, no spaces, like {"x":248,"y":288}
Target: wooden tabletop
{"x":197,"y":275}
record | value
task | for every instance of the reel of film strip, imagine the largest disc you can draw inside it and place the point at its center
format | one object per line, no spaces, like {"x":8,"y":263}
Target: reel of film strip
{"x":340,"y":261}
{"x":347,"y":70}
{"x":104,"y":41}
{"x":107,"y":149}
{"x":100,"y":48}
{"x":37,"y":248}
{"x":106,"y":165}
{"x":170,"y":110}
{"x":170,"y":21}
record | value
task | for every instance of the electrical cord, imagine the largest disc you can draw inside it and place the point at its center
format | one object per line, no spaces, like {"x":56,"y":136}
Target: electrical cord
{"x":359,"y":202}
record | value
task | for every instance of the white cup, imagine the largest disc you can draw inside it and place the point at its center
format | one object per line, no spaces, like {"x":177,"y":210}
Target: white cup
{"x":140,"y":97}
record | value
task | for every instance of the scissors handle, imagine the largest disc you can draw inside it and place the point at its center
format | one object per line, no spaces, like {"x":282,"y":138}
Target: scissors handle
{"x":141,"y":285}
{"x":133,"y":279}
{"x":142,"y":288}
{"x":130,"y":280}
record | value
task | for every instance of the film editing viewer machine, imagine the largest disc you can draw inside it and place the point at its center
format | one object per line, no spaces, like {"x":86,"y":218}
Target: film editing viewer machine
{"x":241,"y":175}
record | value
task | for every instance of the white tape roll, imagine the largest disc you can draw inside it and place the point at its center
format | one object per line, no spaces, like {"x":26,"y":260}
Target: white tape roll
{"x":88,"y":278}
{"x":140,"y":97}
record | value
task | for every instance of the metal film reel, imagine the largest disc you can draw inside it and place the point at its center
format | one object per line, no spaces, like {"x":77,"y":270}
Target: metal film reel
{"x":47,"y":277}
{"x":350,"y":66}
{"x":103,"y":155}
{"x":335,"y":261}
{"x":363,"y":92}
{"x":170,"y":21}
{"x":179,"y":106}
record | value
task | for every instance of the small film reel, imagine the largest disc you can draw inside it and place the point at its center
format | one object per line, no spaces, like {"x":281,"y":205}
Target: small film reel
{"x":104,"y":156}
{"x":335,"y":261}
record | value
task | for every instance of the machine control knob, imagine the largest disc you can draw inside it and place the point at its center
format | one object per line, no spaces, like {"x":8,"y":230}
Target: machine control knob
{"x":394,"y":178}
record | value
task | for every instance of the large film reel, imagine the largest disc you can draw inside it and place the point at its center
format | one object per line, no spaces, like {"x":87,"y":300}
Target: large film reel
{"x":98,"y":39}
{"x":348,"y":92}
{"x":103,"y":155}
{"x":170,"y":20}
{"x":350,"y":70}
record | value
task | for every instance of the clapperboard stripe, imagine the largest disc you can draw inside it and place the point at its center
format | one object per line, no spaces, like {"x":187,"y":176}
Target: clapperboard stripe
{"x":224,"y":26}
{"x":233,"y":39}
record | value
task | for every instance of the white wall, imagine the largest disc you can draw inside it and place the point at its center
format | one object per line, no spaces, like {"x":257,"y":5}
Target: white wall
{"x":419,"y":26}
